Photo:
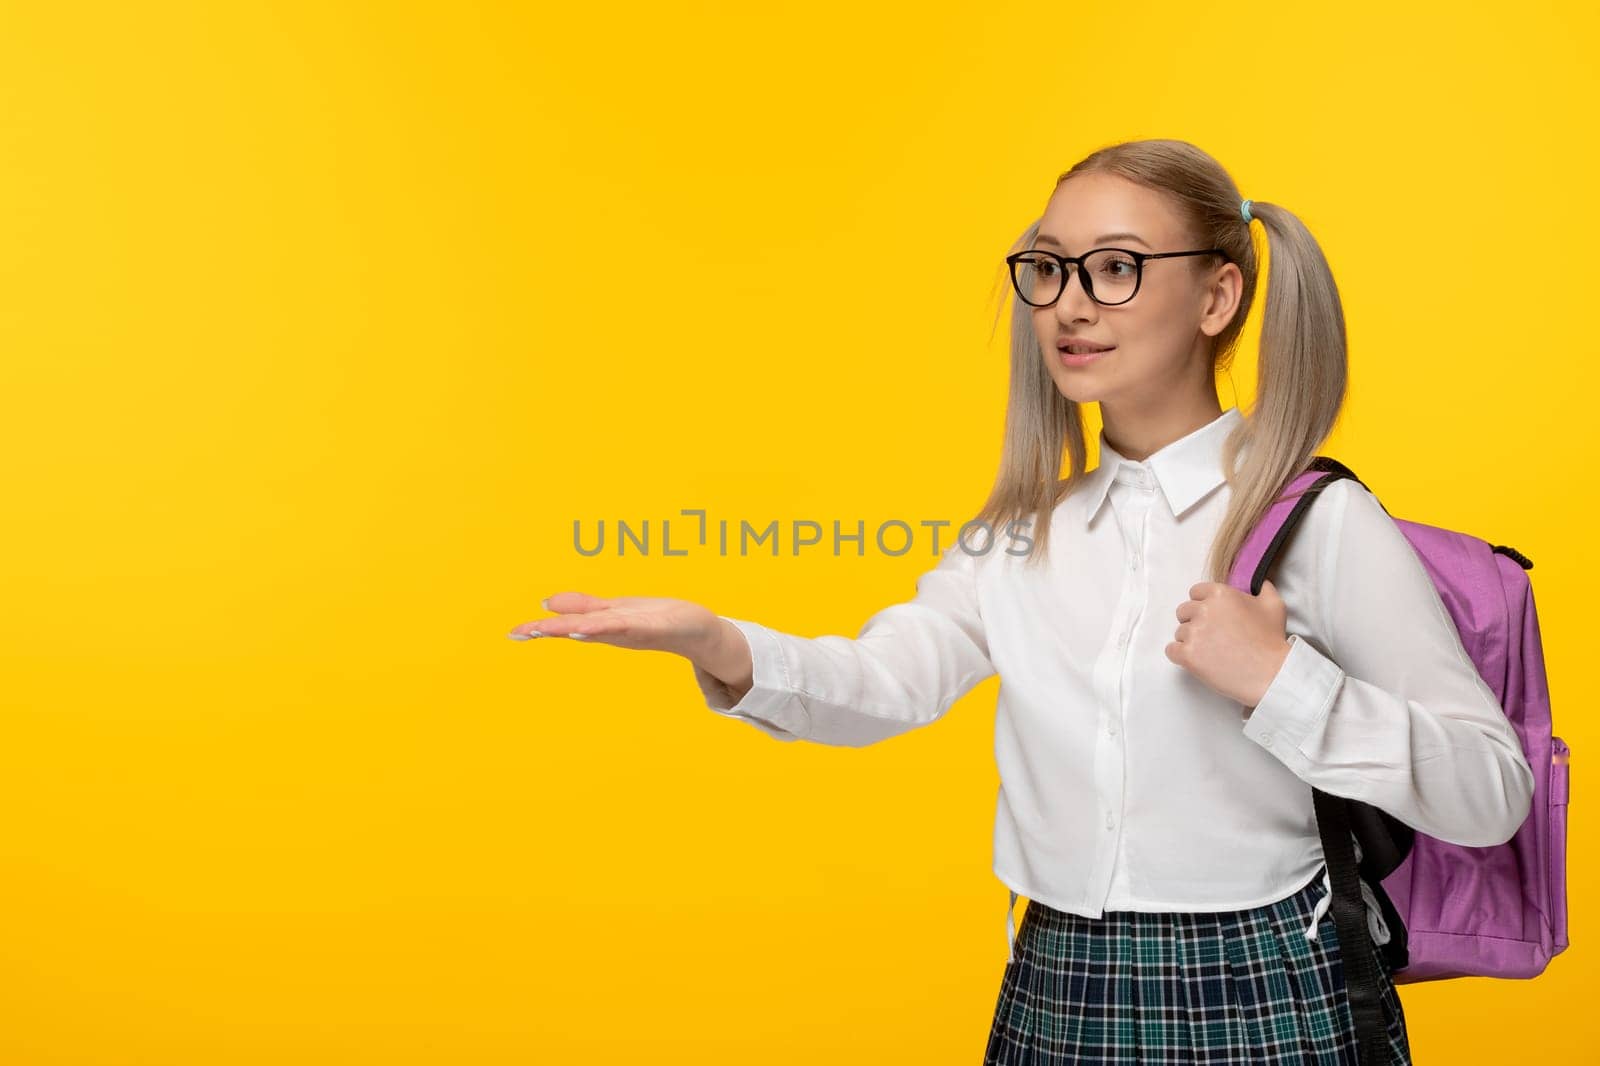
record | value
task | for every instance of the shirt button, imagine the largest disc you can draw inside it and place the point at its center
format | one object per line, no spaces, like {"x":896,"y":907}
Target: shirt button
{"x":1133,"y":564}
{"x":1110,"y":820}
{"x":1112,"y":729}
{"x":1122,"y":641}
{"x":1266,"y":739}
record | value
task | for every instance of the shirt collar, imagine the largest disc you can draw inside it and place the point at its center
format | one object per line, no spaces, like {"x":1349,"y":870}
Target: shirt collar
{"x":1186,"y":469}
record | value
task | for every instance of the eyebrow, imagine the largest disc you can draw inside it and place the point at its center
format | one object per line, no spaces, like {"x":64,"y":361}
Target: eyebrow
{"x":1045,"y":238}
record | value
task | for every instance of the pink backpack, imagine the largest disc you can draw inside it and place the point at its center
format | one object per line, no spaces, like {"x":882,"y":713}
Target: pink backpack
{"x":1452,"y":910}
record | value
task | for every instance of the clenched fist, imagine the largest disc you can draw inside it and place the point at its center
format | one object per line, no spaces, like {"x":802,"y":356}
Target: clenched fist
{"x":1234,"y":642}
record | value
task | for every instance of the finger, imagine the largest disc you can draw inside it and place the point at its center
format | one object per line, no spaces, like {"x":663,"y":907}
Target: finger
{"x":574,"y":603}
{"x":533,"y":631}
{"x":568,"y":603}
{"x":597,"y":627}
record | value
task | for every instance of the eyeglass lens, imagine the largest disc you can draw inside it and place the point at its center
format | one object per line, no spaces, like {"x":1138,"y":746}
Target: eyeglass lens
{"x":1112,"y":276}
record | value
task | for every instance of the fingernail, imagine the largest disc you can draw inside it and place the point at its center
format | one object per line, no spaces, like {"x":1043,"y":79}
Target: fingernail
{"x":578,"y":636}
{"x":524,"y":636}
{"x":545,"y":603}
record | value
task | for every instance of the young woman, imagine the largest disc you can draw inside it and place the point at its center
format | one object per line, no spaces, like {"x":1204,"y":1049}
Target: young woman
{"x":1157,"y":729}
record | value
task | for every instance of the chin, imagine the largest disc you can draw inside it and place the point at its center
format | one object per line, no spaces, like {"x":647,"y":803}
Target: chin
{"x":1076,"y":389}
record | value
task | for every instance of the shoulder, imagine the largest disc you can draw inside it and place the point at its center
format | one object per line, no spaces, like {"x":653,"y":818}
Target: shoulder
{"x":1343,"y":540}
{"x":1381,"y":608}
{"x":1355,"y":522}
{"x":1318,"y":529}
{"x":958,"y":562}
{"x":1344,"y":506}
{"x":1369,"y":568}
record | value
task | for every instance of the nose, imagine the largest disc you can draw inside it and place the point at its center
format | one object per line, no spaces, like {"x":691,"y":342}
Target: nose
{"x":1074,"y":302}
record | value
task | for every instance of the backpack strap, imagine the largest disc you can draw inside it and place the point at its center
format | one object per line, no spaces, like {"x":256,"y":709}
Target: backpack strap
{"x":1350,"y":924}
{"x":1271,"y":535}
{"x":1385,"y":841}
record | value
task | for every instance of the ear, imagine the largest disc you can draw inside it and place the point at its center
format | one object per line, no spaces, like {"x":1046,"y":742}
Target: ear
{"x":1222,"y":295}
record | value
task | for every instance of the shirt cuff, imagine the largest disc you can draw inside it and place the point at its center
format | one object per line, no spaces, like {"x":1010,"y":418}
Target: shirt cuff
{"x":771,"y":705}
{"x":1298,"y":700}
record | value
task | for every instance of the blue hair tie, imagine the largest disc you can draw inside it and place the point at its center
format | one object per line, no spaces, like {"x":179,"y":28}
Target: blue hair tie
{"x":1244,"y":209}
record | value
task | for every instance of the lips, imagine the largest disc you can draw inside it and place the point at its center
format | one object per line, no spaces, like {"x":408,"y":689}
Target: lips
{"x":1068,"y":358}
{"x":1083,"y":347}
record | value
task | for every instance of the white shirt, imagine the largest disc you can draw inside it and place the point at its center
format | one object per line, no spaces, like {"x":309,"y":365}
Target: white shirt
{"x":1126,"y":783}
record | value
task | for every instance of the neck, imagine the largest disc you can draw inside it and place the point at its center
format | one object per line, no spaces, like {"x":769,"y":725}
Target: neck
{"x":1140,"y":433}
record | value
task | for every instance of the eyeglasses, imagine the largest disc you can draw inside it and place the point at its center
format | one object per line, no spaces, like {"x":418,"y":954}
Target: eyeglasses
{"x":1110,"y":276}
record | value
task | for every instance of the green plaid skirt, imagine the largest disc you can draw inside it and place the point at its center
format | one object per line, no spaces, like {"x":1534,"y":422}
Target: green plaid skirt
{"x":1242,"y":986}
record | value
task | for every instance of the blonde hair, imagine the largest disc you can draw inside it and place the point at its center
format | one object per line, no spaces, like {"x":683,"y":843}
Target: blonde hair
{"x":1300,"y":380}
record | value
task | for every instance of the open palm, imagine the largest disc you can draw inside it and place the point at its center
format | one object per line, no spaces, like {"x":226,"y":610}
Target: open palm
{"x":644,"y":622}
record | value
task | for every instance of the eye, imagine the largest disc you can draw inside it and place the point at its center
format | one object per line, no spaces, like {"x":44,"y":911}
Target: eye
{"x":1118,"y":266}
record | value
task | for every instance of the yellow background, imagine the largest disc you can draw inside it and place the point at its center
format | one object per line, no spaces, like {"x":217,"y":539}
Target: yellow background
{"x":321,"y":324}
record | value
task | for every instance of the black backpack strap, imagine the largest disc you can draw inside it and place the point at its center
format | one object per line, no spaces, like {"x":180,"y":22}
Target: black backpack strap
{"x":1385,"y":841}
{"x":1349,"y":912}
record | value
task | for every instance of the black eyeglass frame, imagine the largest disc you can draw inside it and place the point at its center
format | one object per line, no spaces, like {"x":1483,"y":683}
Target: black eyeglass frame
{"x":1083,"y":277}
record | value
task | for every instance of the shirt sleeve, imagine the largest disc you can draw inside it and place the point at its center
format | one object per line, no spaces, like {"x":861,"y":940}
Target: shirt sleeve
{"x":908,"y":665}
{"x":1396,"y":715}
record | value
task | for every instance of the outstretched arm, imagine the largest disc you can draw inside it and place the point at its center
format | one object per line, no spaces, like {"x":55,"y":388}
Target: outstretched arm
{"x":908,"y":665}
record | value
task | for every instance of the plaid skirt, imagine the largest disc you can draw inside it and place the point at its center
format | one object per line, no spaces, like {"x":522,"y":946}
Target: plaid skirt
{"x":1242,"y":986}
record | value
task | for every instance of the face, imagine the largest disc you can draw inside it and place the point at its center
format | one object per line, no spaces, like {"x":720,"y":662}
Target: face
{"x":1161,"y":339}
